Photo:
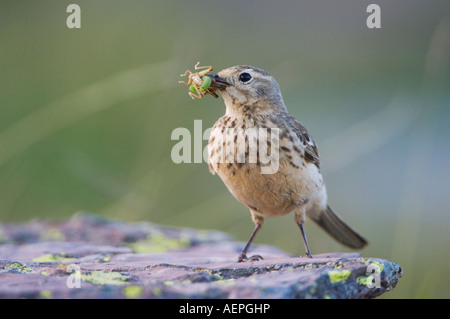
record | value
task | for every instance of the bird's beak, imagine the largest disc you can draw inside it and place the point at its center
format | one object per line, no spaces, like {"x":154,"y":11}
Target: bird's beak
{"x":218,"y":82}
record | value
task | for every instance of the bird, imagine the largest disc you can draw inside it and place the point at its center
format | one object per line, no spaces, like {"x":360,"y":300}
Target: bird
{"x":254,"y":103}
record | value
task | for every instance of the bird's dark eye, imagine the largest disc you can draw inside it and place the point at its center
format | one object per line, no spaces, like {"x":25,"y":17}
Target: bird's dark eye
{"x":245,"y":77}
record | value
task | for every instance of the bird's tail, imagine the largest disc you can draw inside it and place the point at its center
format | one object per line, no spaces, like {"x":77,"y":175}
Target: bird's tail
{"x":339,"y":229}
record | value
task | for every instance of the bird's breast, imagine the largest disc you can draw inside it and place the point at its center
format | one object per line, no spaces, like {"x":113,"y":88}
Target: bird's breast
{"x":266,"y":171}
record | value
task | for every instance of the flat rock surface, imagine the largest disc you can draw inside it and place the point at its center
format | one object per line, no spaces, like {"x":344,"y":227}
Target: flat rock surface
{"x":88,"y":256}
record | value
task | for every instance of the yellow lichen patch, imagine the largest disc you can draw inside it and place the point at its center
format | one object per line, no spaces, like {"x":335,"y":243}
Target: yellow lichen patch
{"x":337,"y":276}
{"x":45,"y":294}
{"x":372,"y":276}
{"x":338,"y":265}
{"x":363,"y":280}
{"x":157,"y":291}
{"x":104,"y":259}
{"x":105,"y":278}
{"x":377,"y":265}
{"x":168,"y":283}
{"x":132,"y":291}
{"x":50,"y":258}
{"x":374,"y":267}
{"x":215,"y":274}
{"x":158,"y":243}
{"x":18,"y":267}
{"x":227,"y":282}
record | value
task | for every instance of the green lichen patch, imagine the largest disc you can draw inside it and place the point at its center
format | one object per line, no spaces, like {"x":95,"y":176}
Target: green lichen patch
{"x":372,"y":277}
{"x":226,"y":282}
{"x":51,"y":258}
{"x":45,"y":294}
{"x":103,"y":259}
{"x":159,"y":243}
{"x":168,"y":283}
{"x":157,"y":291}
{"x":363,"y":280}
{"x":337,"y":276}
{"x":339,"y":265}
{"x":105,"y":278}
{"x":132,"y":291}
{"x":18,"y":267}
{"x":377,"y":266}
{"x":216,"y":275}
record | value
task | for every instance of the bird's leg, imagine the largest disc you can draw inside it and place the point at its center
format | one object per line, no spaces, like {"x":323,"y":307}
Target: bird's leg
{"x":299,"y":219}
{"x":308,"y":253}
{"x":243,"y":256}
{"x":259,"y":221}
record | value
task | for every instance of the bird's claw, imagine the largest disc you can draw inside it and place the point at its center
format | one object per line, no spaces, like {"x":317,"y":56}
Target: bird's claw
{"x":244,"y":258}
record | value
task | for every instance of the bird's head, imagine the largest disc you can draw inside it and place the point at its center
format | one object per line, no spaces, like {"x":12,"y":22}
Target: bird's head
{"x":247,"y":86}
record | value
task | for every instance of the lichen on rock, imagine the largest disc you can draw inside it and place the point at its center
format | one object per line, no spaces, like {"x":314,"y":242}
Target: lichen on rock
{"x":107,"y":258}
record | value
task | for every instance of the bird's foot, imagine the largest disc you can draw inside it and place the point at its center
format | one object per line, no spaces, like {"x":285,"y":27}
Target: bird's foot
{"x":244,"y":258}
{"x":307,"y":255}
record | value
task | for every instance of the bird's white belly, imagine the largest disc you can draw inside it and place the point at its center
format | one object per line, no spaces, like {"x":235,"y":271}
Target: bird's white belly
{"x":270,"y":194}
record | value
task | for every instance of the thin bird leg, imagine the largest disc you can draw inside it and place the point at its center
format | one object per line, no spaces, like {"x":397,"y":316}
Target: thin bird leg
{"x":308,"y":253}
{"x":243,"y":256}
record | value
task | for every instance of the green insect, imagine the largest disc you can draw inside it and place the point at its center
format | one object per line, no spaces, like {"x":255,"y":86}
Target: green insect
{"x":206,"y":82}
{"x":199,"y":82}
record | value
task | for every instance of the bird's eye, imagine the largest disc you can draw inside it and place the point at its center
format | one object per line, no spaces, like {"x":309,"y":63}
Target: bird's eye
{"x":245,"y":77}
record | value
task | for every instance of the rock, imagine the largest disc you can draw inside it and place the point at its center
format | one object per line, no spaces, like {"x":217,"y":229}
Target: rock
{"x":88,"y":256}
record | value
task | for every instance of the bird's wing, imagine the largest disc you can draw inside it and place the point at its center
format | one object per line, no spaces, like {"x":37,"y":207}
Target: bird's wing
{"x":311,"y":152}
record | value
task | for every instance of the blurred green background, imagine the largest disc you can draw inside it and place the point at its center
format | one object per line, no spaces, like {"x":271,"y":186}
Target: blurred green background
{"x":86,"y":116}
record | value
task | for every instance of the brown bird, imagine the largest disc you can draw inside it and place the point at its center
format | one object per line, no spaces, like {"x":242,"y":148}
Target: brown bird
{"x":292,"y":181}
